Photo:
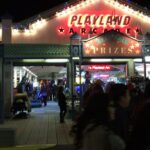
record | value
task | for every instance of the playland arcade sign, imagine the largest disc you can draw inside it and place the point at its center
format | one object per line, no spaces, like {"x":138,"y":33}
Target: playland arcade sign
{"x":98,"y":20}
{"x":95,"y":23}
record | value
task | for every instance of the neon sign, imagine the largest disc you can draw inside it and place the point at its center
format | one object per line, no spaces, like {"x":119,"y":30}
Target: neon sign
{"x":98,"y":20}
{"x":94,"y":23}
{"x":101,"y":67}
{"x":112,"y":44}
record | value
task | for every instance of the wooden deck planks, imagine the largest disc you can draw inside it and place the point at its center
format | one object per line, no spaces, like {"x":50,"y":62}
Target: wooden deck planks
{"x":40,"y":129}
{"x":52,"y":138}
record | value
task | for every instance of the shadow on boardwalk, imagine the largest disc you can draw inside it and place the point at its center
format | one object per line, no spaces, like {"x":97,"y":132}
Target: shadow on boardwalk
{"x":59,"y":147}
{"x":41,"y":127}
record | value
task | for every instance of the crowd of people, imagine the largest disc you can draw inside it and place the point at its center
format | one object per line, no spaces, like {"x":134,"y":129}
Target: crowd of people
{"x":46,"y":91}
{"x":117,"y":118}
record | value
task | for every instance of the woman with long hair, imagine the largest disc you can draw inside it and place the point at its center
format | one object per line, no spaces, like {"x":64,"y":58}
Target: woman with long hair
{"x":91,"y":130}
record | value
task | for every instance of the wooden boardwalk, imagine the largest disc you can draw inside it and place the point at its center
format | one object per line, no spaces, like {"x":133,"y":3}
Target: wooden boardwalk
{"x":41,"y":127}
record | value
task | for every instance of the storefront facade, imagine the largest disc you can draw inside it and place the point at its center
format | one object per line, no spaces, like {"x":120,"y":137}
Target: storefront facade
{"x":109,"y":32}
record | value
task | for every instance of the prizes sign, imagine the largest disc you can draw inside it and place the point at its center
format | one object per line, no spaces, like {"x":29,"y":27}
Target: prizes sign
{"x":112,"y":44}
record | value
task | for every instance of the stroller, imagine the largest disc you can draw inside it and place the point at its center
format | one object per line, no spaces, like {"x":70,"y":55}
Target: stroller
{"x":21,"y":104}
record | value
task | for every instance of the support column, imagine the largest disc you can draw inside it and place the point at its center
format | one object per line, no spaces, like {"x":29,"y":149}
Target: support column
{"x":72,"y":84}
{"x":6,"y":29}
{"x":131,"y":68}
{"x":69,"y":76}
{"x":144,"y":65}
{"x":8,"y":88}
{"x":1,"y":92}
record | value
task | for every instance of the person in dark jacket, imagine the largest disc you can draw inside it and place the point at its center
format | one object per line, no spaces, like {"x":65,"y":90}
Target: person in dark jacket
{"x":62,"y":103}
{"x":140,"y":135}
{"x":121,"y":100}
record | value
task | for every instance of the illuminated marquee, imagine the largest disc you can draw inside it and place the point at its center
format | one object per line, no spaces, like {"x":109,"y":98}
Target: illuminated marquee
{"x":97,"y":23}
{"x":98,"y":20}
{"x":112,"y":44}
{"x":99,"y":67}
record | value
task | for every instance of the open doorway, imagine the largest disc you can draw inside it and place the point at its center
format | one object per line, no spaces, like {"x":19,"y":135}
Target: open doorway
{"x":38,"y":85}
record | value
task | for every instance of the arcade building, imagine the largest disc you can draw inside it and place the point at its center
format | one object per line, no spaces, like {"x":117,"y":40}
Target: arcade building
{"x":109,"y":39}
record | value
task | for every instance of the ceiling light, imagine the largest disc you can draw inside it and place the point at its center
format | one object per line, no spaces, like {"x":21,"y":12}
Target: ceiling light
{"x":147,"y":58}
{"x":56,"y":60}
{"x":100,"y":60}
{"x":137,"y":60}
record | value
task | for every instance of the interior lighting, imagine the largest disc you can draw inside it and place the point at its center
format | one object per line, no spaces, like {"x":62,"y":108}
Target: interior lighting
{"x":56,"y":60}
{"x":78,"y":80}
{"x":25,"y":68}
{"x":137,"y":60}
{"x":75,"y":58}
{"x":147,"y":58}
{"x":100,"y":60}
{"x":33,"y":60}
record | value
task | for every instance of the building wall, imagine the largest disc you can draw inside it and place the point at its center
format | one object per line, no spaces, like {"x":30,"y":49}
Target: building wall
{"x":49,"y":33}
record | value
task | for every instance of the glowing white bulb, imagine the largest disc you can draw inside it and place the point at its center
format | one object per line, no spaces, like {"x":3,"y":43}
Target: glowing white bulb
{"x":15,"y":32}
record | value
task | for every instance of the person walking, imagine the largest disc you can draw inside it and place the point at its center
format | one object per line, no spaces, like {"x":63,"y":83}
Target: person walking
{"x":62,"y":103}
{"x":91,"y":130}
{"x":120,"y":97}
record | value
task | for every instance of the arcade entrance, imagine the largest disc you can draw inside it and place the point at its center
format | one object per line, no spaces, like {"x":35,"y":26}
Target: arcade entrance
{"x":29,"y":82}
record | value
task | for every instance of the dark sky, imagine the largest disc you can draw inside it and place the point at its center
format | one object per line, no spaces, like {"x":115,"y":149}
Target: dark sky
{"x":23,"y":9}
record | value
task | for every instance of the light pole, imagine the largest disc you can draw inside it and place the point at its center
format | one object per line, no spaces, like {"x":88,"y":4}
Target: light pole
{"x":75,"y":51}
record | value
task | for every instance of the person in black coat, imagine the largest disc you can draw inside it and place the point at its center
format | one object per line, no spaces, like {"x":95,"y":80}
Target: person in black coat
{"x":62,"y":103}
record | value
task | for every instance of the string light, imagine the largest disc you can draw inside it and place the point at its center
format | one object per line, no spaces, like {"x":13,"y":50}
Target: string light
{"x":74,"y":8}
{"x":15,"y":32}
{"x":113,"y":3}
{"x":129,"y":10}
{"x":33,"y":28}
{"x":39,"y":24}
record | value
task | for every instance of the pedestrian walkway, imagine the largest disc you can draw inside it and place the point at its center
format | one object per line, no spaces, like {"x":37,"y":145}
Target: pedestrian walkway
{"x":41,"y":127}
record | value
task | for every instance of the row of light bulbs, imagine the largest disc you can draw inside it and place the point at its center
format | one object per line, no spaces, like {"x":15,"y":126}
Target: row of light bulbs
{"x":33,"y":28}
{"x":74,"y":8}
{"x":128,"y":10}
{"x":113,"y":3}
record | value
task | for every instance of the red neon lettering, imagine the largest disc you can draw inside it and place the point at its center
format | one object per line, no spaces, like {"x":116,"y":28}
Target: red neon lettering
{"x":71,"y":30}
{"x":79,"y":20}
{"x":83,"y":30}
{"x":109,"y":20}
{"x":101,"y":20}
{"x":94,"y":30}
{"x":118,"y":20}
{"x":95,"y":18}
{"x":87,"y":20}
{"x":126,"y":20}
{"x":128,"y":30}
{"x":74,"y":18}
{"x":99,"y":67}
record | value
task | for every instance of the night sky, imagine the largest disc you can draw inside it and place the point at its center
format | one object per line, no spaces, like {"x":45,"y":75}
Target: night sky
{"x":20,"y":9}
